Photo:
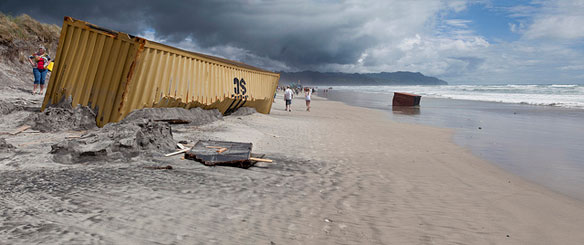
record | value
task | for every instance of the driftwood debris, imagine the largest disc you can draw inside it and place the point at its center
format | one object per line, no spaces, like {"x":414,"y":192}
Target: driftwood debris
{"x":260,"y":159}
{"x":177,"y":152}
{"x":219,"y":149}
{"x":214,"y":147}
{"x":20,"y":130}
{"x":167,"y":167}
{"x":174,"y":121}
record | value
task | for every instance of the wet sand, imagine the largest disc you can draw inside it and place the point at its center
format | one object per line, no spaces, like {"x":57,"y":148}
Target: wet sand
{"x":341,"y":175}
{"x":540,"y":143}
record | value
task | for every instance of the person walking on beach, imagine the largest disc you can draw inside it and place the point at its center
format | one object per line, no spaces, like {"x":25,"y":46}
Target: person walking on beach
{"x":288,"y":95}
{"x":39,"y":62}
{"x":307,"y":93}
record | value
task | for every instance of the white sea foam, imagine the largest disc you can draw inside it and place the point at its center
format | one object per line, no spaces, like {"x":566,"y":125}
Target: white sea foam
{"x":570,"y":96}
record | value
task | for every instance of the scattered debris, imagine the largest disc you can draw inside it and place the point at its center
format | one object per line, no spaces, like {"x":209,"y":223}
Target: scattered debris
{"x":237,"y":152}
{"x":167,"y":167}
{"x":7,"y":107}
{"x":38,"y":141}
{"x":116,"y":141}
{"x":20,"y":129}
{"x":224,"y":153}
{"x":177,"y":152}
{"x":61,"y":117}
{"x":219,"y":148}
{"x":174,"y":121}
{"x":5,"y":146}
{"x":260,"y":159}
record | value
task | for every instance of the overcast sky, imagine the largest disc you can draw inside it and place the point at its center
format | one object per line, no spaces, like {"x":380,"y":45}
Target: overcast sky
{"x":481,"y":41}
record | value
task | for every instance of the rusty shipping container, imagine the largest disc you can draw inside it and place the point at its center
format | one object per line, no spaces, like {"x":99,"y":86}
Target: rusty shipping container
{"x":115,"y":73}
{"x":406,"y":99}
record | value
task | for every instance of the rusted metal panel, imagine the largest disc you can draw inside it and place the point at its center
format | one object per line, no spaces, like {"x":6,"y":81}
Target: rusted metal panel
{"x":406,"y":99}
{"x":116,"y":73}
{"x":209,"y":152}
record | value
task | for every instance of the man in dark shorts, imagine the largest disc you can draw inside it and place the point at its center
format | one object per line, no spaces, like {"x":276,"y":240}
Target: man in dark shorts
{"x":288,"y":95}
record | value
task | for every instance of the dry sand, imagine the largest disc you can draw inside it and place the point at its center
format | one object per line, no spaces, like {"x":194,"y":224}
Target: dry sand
{"x":341,"y":175}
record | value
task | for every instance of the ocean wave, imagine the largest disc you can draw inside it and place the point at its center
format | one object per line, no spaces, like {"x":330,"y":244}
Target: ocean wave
{"x":564,"y":85}
{"x":558,"y":95}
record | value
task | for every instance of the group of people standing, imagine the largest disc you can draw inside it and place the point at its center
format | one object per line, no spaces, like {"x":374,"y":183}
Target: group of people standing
{"x":289,"y":95}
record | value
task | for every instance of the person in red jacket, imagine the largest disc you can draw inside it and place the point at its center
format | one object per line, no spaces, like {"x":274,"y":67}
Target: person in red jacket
{"x":39,"y":62}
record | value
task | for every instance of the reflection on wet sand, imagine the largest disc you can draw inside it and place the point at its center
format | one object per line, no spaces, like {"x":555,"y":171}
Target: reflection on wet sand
{"x":406,"y":110}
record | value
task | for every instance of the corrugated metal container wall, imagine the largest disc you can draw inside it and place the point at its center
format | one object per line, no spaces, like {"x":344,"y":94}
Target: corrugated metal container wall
{"x":115,"y":73}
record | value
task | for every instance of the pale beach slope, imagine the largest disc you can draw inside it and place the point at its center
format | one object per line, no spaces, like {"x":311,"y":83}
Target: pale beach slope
{"x":397,"y":183}
{"x":341,"y":175}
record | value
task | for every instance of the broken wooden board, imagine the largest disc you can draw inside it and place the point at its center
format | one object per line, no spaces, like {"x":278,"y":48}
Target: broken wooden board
{"x":177,"y":152}
{"x":237,"y":153}
{"x":260,"y":159}
{"x":174,"y":121}
{"x":20,"y":129}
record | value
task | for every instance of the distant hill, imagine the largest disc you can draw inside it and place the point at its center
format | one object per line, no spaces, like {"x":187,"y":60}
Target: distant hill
{"x":339,"y":78}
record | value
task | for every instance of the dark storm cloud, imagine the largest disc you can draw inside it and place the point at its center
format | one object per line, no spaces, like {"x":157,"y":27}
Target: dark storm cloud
{"x":347,"y":35}
{"x":297,"y":34}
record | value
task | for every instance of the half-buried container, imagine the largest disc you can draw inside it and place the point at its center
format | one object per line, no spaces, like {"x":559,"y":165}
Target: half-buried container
{"x":115,"y":73}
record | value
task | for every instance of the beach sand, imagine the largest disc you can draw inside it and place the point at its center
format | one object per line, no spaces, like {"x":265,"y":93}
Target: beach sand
{"x":341,"y":175}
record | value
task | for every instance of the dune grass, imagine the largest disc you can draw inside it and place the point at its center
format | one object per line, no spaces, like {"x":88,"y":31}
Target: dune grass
{"x":22,"y":34}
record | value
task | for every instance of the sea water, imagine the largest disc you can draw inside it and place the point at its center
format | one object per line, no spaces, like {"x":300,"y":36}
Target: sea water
{"x":558,"y":95}
{"x":534,"y":131}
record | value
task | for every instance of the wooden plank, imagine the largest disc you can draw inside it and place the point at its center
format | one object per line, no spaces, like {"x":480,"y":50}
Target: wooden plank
{"x":20,"y":129}
{"x":260,"y":159}
{"x":174,"y":121}
{"x":177,"y":152}
{"x":214,"y":147}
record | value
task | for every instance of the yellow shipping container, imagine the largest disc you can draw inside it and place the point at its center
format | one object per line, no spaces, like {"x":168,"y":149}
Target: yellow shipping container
{"x":115,"y":73}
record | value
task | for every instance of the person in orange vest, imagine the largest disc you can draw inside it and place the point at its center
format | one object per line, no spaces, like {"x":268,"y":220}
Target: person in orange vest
{"x":39,"y":62}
